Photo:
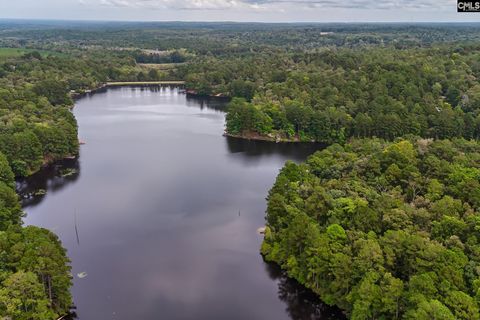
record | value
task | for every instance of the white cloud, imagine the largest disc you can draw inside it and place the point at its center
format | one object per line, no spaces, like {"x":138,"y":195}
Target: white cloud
{"x":238,"y":10}
{"x":182,"y":4}
{"x":258,"y":4}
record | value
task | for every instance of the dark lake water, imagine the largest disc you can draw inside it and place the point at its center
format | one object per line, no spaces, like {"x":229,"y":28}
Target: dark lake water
{"x":167,"y":210}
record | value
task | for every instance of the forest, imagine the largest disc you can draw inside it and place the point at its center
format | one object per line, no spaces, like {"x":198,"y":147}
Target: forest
{"x":332,"y":95}
{"x":384,"y":223}
{"x":384,"y":230}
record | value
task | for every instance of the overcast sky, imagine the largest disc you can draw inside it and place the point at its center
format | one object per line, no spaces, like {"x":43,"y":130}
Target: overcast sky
{"x":238,"y":10}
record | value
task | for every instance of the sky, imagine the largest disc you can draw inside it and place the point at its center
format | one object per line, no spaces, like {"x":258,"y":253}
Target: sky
{"x":239,"y":10}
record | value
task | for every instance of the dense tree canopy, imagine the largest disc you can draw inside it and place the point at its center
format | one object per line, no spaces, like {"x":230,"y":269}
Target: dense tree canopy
{"x":34,"y":270}
{"x":383,"y":230}
{"x":331,"y":95}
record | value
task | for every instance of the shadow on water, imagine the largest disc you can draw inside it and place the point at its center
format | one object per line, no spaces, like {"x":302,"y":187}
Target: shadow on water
{"x":302,"y":303}
{"x":49,"y":179}
{"x":141,"y":87}
{"x":254,"y":149}
{"x":218,"y":104}
{"x":202,"y":102}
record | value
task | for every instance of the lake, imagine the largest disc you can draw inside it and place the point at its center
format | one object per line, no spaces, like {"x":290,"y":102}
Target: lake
{"x":160,"y":212}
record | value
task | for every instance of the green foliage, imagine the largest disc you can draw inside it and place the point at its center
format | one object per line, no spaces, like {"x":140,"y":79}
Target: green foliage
{"x":244,"y":118}
{"x":329,"y":95}
{"x":22,"y":297}
{"x":34,"y":268}
{"x":6,"y":173}
{"x":10,"y":212}
{"x":243,"y":89}
{"x":381,"y":229}
{"x":55,"y":91}
{"x":432,"y":309}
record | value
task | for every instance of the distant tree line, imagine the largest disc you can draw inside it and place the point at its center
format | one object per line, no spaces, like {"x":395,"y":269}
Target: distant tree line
{"x":175,"y":56}
{"x":331,"y":95}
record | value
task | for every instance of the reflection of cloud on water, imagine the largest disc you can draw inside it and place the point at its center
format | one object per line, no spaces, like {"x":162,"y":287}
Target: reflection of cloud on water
{"x":118,"y":118}
{"x":209,"y":116}
{"x":202,"y":259}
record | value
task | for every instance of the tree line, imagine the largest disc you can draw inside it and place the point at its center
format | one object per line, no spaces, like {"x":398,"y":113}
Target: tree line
{"x":332,"y":95}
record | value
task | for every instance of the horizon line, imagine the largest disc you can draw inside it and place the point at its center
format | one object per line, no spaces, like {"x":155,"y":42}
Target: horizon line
{"x":236,"y":22}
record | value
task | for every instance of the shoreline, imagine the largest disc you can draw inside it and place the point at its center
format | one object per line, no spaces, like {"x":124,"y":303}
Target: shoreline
{"x":257,"y":137}
{"x":48,"y":161}
{"x":143,"y":83}
{"x":114,"y":84}
{"x":189,"y":93}
{"x":194,"y":94}
{"x":78,"y":95}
